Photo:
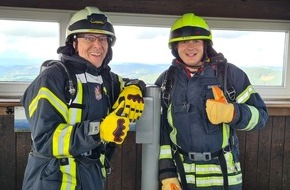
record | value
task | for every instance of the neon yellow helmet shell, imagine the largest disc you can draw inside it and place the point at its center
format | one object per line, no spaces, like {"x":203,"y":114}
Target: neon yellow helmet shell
{"x":189,"y":27}
{"x":90,"y":20}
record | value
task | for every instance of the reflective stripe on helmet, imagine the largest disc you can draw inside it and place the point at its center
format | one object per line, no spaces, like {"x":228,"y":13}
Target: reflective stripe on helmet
{"x":189,"y":33}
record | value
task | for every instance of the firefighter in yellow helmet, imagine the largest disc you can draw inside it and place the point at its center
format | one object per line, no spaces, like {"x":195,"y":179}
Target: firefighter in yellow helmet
{"x":205,"y":100}
{"x":78,"y":109}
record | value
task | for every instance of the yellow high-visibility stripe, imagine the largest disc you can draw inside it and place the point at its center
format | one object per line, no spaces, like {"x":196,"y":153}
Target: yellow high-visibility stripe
{"x":254,"y":119}
{"x":165,"y":152}
{"x":173,"y":133}
{"x":62,"y":137}
{"x":226,"y":135}
{"x":206,"y":175}
{"x":245,"y":95}
{"x":45,"y":93}
{"x":75,"y":114}
{"x":61,"y":140}
{"x":122,"y":82}
{"x":218,"y":180}
{"x":103,"y":169}
{"x":68,"y":171}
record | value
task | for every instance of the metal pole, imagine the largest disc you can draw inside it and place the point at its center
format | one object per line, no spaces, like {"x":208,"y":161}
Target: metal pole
{"x":148,"y":133}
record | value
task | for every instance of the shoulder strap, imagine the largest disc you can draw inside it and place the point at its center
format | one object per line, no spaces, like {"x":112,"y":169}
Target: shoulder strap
{"x":70,"y":86}
{"x":225,"y":81}
{"x":168,"y":84}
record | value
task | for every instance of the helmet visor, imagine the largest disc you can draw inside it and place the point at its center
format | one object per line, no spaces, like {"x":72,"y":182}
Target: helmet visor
{"x":190,"y":31}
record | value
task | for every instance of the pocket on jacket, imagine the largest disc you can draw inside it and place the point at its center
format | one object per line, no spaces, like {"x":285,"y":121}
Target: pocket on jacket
{"x":51,"y":171}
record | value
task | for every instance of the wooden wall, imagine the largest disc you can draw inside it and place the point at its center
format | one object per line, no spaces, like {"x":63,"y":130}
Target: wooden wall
{"x":265,"y":156}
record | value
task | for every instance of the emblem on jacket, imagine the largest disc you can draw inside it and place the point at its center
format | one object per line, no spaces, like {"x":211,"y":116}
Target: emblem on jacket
{"x":98,"y":92}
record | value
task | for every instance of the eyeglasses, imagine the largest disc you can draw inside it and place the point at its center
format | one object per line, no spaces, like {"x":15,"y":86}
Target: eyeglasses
{"x":92,"y":38}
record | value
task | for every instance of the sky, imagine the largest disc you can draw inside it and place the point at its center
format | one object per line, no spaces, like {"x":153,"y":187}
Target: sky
{"x":20,"y":39}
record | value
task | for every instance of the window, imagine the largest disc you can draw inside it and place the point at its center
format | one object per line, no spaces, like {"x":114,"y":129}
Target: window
{"x":24,"y":45}
{"x":259,"y":47}
{"x":28,"y":38}
{"x":142,"y":49}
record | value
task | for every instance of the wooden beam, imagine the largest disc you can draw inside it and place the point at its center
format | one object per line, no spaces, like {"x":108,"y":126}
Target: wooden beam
{"x":257,"y":9}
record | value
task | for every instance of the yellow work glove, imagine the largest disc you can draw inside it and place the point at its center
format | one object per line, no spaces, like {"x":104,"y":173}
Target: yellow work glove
{"x":170,"y":184}
{"x":218,"y":110}
{"x":115,"y":126}
{"x":133,"y":102}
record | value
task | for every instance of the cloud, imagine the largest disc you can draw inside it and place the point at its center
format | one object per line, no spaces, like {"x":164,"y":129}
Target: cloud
{"x":29,"y":39}
{"x":28,"y":29}
{"x":142,"y":45}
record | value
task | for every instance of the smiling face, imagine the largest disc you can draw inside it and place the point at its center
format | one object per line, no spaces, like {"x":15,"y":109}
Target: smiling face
{"x":191,"y":51}
{"x":92,"y":47}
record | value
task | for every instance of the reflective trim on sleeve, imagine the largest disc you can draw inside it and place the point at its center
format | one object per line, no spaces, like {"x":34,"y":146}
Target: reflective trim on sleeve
{"x":254,"y":119}
{"x":45,"y":93}
{"x":68,"y":171}
{"x":165,"y":152}
{"x":245,"y":95}
{"x":61,"y":141}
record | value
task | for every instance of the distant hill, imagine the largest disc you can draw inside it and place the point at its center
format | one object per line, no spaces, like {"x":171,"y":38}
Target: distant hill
{"x":146,"y":72}
{"x":14,"y":70}
{"x":27,"y":71}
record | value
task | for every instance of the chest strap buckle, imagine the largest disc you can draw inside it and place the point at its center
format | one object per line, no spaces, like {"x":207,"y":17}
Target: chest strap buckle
{"x":196,"y":156}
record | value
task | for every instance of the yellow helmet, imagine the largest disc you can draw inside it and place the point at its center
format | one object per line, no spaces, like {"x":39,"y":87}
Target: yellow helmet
{"x":90,"y":20}
{"x":189,"y":27}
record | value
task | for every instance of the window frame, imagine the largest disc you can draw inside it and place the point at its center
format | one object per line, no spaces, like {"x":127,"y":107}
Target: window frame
{"x":126,"y":19}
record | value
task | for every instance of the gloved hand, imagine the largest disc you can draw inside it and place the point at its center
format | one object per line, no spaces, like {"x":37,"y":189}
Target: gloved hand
{"x":115,"y":126}
{"x":133,"y":102}
{"x":170,"y":184}
{"x":219,"y":110}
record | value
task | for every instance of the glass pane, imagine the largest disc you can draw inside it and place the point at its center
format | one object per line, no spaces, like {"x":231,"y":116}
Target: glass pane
{"x":259,"y":53}
{"x":141,"y":52}
{"x":24,"y":45}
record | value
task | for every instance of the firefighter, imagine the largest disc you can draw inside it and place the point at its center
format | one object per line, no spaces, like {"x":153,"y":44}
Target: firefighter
{"x":78,"y":110}
{"x":205,"y":100}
